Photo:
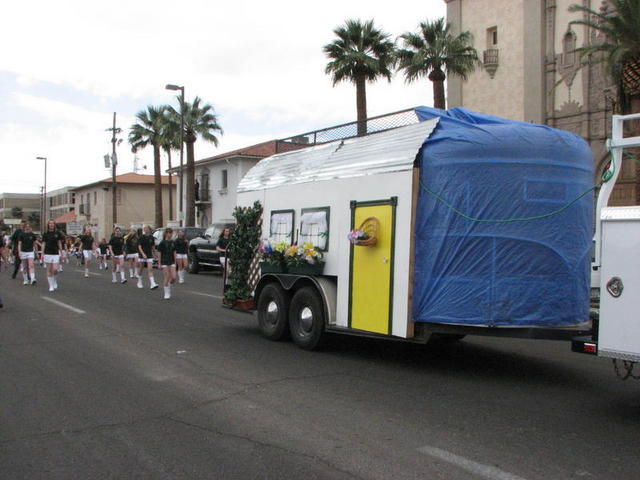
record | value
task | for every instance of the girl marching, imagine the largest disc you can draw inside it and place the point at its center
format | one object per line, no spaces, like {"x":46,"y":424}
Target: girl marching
{"x":88,"y":246}
{"x":103,"y":249}
{"x":167,"y":251}
{"x":131,"y":242}
{"x":53,"y":241}
{"x":181,"y":255}
{"x":26,"y":245}
{"x":116,"y":249}
{"x":145,"y":249}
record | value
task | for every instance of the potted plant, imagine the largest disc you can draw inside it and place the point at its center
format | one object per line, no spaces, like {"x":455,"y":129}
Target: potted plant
{"x":242,"y":249}
{"x":304,"y":260}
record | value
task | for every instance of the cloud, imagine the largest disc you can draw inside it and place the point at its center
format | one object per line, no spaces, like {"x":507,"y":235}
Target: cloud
{"x":261,"y":65}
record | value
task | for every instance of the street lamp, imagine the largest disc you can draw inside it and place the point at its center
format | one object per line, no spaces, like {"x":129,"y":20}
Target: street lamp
{"x":44,"y":196}
{"x":170,"y":86}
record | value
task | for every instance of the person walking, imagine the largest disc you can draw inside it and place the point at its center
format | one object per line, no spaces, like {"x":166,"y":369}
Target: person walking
{"x":15,"y":240}
{"x":103,"y":249}
{"x":131,"y":243}
{"x":181,"y":255}
{"x":146,"y":246}
{"x":167,"y":251}
{"x":53,"y":241}
{"x":27,"y":245}
{"x":116,"y":249}
{"x":222,"y":245}
{"x":88,"y":244}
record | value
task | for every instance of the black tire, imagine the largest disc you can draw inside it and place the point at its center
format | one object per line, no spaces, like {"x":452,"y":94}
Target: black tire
{"x":194,"y":265}
{"x":273,"y":312}
{"x":306,"y":319}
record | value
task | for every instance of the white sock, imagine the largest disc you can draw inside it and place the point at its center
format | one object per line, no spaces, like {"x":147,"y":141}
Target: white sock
{"x":123,"y":276}
{"x":113,"y":274}
{"x":25,"y":276}
{"x":50,"y":281}
{"x":55,"y":282}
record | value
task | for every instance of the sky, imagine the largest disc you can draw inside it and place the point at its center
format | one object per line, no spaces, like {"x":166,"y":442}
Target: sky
{"x":66,"y":66}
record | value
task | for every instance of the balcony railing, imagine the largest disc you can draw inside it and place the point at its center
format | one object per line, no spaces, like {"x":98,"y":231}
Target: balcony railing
{"x":490,"y":60}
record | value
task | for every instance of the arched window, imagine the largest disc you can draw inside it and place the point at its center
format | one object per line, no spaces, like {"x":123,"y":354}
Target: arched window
{"x":569,"y":48}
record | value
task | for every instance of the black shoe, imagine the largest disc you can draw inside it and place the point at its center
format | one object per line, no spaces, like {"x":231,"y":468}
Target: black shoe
{"x":124,"y":281}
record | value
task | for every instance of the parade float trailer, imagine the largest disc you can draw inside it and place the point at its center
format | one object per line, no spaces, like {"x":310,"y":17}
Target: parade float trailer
{"x":476,"y":225}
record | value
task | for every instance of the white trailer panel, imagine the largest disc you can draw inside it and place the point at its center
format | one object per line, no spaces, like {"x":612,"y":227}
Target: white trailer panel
{"x":619,"y":329}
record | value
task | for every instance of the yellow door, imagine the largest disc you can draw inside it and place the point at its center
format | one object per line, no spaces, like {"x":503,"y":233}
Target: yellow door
{"x":371,"y":281}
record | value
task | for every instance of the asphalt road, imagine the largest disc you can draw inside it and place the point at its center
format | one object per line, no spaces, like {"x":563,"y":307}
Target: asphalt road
{"x":127,"y":385}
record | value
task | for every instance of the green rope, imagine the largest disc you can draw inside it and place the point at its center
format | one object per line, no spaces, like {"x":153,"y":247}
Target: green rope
{"x":606,"y":176}
{"x":506,"y":220}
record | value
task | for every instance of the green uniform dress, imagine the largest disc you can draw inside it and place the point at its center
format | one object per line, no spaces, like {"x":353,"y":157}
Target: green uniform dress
{"x":117,"y":245}
{"x":167,"y":249}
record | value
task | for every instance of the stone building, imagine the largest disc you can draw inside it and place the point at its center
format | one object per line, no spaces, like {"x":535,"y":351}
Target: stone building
{"x":60,"y":202}
{"x":530,"y":72}
{"x":29,"y":203}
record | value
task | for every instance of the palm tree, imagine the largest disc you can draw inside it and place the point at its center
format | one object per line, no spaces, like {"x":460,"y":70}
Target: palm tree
{"x":434,"y":52}
{"x":148,"y":131}
{"x":621,"y":46}
{"x":199,"y":120}
{"x":361,"y":53}
{"x":170,"y":141}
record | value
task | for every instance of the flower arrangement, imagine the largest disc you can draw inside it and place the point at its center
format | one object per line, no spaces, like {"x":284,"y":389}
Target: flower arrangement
{"x":356,"y":236}
{"x":273,"y":254}
{"x":306,"y":254}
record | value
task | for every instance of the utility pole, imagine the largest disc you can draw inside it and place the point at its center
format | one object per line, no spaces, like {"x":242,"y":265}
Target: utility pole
{"x":114,"y":162}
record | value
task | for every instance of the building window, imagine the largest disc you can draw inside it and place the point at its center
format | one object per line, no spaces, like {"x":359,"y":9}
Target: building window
{"x":492,"y":37}
{"x":95,"y":197}
{"x":225,"y":178}
{"x":118,"y":196}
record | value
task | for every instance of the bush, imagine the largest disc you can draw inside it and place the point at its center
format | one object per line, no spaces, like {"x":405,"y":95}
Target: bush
{"x":242,"y":250}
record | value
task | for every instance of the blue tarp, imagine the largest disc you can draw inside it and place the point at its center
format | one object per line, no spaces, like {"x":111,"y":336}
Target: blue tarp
{"x":530,"y":273}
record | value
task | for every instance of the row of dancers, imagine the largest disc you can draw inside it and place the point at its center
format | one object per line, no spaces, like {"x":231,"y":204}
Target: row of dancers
{"x":138,"y":250}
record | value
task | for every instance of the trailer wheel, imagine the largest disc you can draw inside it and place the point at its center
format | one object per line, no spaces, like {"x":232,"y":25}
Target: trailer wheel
{"x":306,"y":318}
{"x":273,"y":308}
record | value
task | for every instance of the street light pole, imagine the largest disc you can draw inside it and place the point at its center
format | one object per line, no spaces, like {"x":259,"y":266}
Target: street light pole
{"x":170,"y":86}
{"x":44,"y":196}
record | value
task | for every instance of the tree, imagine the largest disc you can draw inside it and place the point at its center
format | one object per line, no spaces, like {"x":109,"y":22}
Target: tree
{"x":199,"y":121}
{"x":620,"y":48}
{"x":170,"y":141}
{"x":16,"y":212}
{"x":148,"y":131}
{"x":434,"y":52}
{"x":34,"y":218}
{"x":361,"y":53}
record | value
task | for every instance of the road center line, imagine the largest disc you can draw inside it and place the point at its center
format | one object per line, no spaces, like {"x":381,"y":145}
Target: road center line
{"x":63,"y":305}
{"x":484,"y":471}
{"x":205,"y":294}
{"x":90,"y":273}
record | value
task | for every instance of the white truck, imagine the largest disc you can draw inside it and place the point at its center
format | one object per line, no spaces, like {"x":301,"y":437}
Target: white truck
{"x":393,"y":289}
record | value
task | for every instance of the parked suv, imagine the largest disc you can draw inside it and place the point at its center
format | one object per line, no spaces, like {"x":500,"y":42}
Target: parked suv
{"x":202,"y":249}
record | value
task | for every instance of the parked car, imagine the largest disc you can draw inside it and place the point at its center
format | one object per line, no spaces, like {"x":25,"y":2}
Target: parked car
{"x":202,"y":249}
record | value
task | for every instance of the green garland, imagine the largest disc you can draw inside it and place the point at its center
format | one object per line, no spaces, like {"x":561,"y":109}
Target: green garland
{"x":242,"y":249}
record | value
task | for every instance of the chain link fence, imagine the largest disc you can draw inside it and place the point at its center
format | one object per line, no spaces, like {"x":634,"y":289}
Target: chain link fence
{"x":349,"y":130}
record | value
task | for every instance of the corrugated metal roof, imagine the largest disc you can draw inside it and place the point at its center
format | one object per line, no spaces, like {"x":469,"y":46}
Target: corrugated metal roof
{"x":390,"y":151}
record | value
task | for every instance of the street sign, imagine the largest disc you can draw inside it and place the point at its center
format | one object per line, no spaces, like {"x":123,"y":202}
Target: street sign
{"x":74,"y":228}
